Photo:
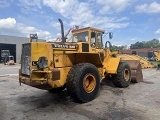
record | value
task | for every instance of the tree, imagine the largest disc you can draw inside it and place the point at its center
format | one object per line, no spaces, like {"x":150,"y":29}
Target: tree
{"x":137,"y":45}
{"x":122,"y":47}
{"x":146,"y":44}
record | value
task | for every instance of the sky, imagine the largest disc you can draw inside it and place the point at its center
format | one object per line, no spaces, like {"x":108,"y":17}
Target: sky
{"x":130,"y":21}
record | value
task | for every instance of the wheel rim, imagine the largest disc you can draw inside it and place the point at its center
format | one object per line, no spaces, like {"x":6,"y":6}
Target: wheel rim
{"x":89,"y":83}
{"x":126,"y":75}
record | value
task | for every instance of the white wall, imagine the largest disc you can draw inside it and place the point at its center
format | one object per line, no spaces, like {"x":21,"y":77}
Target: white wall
{"x":15,"y":40}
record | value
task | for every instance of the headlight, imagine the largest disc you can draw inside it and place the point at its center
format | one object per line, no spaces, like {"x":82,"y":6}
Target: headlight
{"x":42,"y":63}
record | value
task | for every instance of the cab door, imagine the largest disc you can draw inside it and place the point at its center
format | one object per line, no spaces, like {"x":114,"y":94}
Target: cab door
{"x":97,"y":44}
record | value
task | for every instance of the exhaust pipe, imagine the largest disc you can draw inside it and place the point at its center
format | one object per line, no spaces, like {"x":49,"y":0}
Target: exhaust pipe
{"x":62,"y":30}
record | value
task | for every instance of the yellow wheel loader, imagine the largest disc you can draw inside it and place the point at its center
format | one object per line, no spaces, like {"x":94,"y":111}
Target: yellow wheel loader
{"x":157,"y":54}
{"x":78,"y":65}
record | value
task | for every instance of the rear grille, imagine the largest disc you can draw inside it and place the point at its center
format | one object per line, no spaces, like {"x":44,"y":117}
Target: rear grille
{"x":26,"y":59}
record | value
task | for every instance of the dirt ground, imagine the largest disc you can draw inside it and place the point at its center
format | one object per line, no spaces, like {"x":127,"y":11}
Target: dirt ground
{"x":137,"y":102}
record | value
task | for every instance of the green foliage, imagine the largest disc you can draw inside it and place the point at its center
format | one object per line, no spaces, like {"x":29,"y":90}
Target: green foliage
{"x":146,"y":44}
{"x":122,"y":47}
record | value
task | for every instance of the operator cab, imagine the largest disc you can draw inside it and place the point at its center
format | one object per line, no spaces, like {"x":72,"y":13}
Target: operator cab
{"x":87,"y":39}
{"x":89,"y":35}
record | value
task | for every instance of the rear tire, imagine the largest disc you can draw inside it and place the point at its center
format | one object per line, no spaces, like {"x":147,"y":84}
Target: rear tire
{"x":83,"y":82}
{"x":123,"y":77}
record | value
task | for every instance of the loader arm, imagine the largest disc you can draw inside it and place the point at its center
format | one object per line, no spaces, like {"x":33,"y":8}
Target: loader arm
{"x":110,"y":63}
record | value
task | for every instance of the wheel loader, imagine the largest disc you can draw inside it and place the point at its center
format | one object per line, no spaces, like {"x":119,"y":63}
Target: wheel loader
{"x":77,"y":66}
{"x":157,"y":54}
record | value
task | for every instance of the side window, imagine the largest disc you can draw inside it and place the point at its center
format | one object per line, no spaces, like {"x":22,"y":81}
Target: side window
{"x":99,"y":40}
{"x":93,"y":39}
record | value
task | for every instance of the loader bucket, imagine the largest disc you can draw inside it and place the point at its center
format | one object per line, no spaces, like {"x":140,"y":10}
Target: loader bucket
{"x":136,"y":70}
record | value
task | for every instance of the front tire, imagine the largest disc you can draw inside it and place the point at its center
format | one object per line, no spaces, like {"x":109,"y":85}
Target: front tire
{"x":123,"y":77}
{"x":83,"y":82}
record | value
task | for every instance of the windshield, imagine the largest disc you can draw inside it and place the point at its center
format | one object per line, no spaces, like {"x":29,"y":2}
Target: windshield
{"x":81,"y":37}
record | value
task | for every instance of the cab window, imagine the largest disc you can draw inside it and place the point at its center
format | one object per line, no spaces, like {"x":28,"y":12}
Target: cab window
{"x":93,"y":39}
{"x":99,"y":40}
{"x":80,"y":37}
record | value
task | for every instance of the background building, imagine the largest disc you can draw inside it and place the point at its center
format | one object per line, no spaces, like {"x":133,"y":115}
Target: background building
{"x":13,"y":44}
{"x":144,"y":52}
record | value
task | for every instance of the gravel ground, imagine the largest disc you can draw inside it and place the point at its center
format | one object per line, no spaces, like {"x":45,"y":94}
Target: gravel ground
{"x":137,"y":102}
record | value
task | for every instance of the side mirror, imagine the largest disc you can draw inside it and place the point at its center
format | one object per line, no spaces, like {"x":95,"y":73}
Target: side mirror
{"x":110,"y":35}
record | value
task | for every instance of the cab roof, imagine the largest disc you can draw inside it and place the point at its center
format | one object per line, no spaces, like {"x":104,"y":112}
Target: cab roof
{"x":87,"y":29}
